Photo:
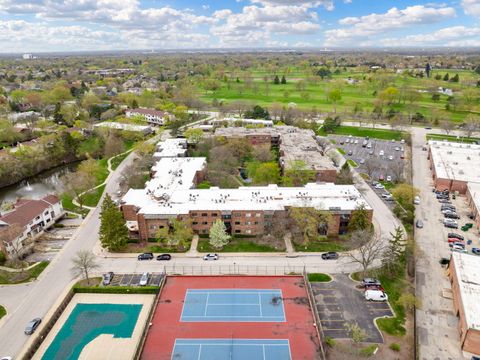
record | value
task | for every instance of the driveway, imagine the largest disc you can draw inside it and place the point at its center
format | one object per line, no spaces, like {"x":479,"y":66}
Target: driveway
{"x":134,"y":279}
{"x":338,"y":303}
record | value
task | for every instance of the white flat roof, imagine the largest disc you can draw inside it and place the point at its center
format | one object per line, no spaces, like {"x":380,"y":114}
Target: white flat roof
{"x":474,"y":190}
{"x":467,"y":268}
{"x":121,"y":126}
{"x":174,"y":174}
{"x":171,"y":148}
{"x":267,"y":198}
{"x":456,"y":161}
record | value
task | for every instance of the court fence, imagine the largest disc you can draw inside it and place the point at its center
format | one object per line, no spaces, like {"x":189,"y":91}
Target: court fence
{"x":234,"y":269}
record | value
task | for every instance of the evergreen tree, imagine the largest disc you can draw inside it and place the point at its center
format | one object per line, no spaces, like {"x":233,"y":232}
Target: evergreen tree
{"x":218,"y":234}
{"x":113,"y":232}
{"x":446,"y":77}
{"x":456,"y":78}
{"x":57,"y":115}
{"x":134,"y":104}
{"x":276,"y":80}
{"x":284,"y":81}
{"x":360,"y":219}
{"x":395,"y":250}
{"x":428,"y":69}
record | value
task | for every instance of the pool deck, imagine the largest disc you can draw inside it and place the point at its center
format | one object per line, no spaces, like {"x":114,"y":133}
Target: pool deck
{"x":105,"y":346}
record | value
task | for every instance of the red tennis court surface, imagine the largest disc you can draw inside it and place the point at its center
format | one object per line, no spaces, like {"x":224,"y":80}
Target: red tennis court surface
{"x":298,"y":327}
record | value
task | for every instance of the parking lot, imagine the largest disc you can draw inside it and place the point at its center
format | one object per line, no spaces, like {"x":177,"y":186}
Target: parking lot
{"x":134,"y":279}
{"x":369,"y":159}
{"x":338,"y":303}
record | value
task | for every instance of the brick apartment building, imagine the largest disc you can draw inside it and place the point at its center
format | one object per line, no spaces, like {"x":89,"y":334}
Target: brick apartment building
{"x":464,"y":275}
{"x":252,"y":211}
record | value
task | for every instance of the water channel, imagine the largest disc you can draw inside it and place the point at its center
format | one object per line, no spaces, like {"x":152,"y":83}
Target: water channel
{"x":37,"y":186}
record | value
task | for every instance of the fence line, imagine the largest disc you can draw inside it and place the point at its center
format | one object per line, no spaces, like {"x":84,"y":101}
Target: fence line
{"x":234,"y":269}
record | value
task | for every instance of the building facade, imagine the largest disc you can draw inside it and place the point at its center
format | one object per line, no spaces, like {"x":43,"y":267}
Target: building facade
{"x":154,"y":117}
{"x":26,"y":221}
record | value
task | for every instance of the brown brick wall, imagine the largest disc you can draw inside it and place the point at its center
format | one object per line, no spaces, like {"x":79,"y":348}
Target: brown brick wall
{"x":327,"y":175}
{"x":129,"y":212}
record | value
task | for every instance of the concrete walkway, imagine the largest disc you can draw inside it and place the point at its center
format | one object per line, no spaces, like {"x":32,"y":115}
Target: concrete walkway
{"x":193,"y":247}
{"x":288,"y":244}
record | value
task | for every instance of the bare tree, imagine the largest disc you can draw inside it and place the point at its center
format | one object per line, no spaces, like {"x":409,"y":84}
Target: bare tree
{"x":324,"y":144}
{"x":471,"y":125}
{"x":83,"y":264}
{"x":396,"y":170}
{"x":447,"y":126}
{"x":370,"y":165}
{"x":369,"y":248}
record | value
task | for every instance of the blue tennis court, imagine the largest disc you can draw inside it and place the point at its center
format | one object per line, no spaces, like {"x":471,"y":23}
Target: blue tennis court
{"x":233,"y":305}
{"x":231,"y":349}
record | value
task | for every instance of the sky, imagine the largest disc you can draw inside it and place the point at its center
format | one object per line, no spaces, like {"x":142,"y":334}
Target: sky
{"x":90,"y":25}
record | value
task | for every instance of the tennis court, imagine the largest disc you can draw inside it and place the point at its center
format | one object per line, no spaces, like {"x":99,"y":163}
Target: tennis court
{"x":235,"y":349}
{"x":233,"y":305}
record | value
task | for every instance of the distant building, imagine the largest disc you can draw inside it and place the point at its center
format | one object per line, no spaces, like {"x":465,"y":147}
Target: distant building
{"x":145,"y":130}
{"x":28,"y":57}
{"x":151,"y":116}
{"x":25,"y":222}
{"x":242,"y":122}
{"x":445,"y":91}
{"x":464,"y":275}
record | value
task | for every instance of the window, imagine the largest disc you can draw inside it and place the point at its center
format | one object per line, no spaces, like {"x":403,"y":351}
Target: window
{"x":214,"y":214}
{"x":238,"y":231}
{"x":194,"y":214}
{"x":195,"y":223}
{"x":161,"y":227}
{"x":256,"y":222}
{"x":248,"y":223}
{"x":152,"y":227}
{"x":204,"y":231}
{"x":258,"y":214}
{"x":204,"y":214}
{"x":237,"y":215}
{"x":248,"y":231}
{"x":48,"y":220}
{"x":45,"y":213}
{"x":37,"y":218}
{"x":205,"y":223}
{"x":248,"y":215}
{"x":226,"y":217}
{"x":237,"y":222}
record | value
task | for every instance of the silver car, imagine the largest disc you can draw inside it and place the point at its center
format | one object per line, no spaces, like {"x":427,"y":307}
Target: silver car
{"x":144,"y":279}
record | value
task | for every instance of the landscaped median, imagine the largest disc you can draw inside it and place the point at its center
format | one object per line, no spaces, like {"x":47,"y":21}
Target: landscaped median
{"x":17,"y":276}
{"x":3,"y":311}
{"x":381,"y":134}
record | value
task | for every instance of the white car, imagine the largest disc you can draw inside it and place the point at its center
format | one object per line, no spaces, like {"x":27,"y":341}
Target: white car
{"x":389,"y":178}
{"x":450,"y":221}
{"x":376,"y":295}
{"x":144,"y":279}
{"x":379,"y":186}
{"x":369,"y":145}
{"x":210,"y":257}
{"x":390,"y":158}
{"x":459,"y":248}
{"x":416,"y":201}
{"x":381,"y":153}
{"x":402,"y":141}
{"x":356,"y":141}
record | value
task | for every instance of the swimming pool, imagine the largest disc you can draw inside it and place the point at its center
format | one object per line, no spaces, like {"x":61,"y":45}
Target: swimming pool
{"x":88,"y":321}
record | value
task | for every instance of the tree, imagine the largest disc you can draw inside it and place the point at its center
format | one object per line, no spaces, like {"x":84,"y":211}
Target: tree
{"x":405,"y":193}
{"x":428,"y":69}
{"x":357,"y":334}
{"x":10,"y":233}
{"x":298,"y":174}
{"x":218,"y":234}
{"x":276,"y":80}
{"x":83,"y":264}
{"x":330,"y":124}
{"x":344,"y":176}
{"x":369,"y":249}
{"x":455,"y":78}
{"x":283,"y":81}
{"x":324,"y":72}
{"x":446,"y":77}
{"x":182,"y":233}
{"x":76,"y":184}
{"x":113,"y":231}
{"x":310,"y":222}
{"x":447,"y":126}
{"x":263,"y":173}
{"x":409,"y":301}
{"x":324,"y":144}
{"x":394,"y":251}
{"x":193,"y":135}
{"x":389,"y":94}
{"x":257,"y":113}
{"x":471,"y":125}
{"x":113,"y":145}
{"x":360,"y":219}
{"x":436,"y":97}
{"x":334,"y":96}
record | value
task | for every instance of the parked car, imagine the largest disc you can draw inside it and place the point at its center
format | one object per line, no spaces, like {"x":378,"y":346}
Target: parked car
{"x":369,"y":145}
{"x":448,"y":207}
{"x":347,"y":141}
{"x":332,"y":255}
{"x":370,"y":152}
{"x":450,"y":223}
{"x":371,"y":281}
{"x":476,"y":251}
{"x":145,"y":256}
{"x":144,"y":279}
{"x":444,"y":201}
{"x":356,"y":141}
{"x":376,"y":295}
{"x":416,"y":201}
{"x":390,"y":158}
{"x":374,"y":287}
{"x":379,"y":186}
{"x":459,"y":249}
{"x":32,"y":326}
{"x":457,"y":243}
{"x":382,"y":153}
{"x":107,"y":278}
{"x":451,"y":215}
{"x":362,"y":161}
{"x":164,"y":257}
{"x":210,"y":257}
{"x":455,"y":235}
{"x":419,"y":224}
{"x":454,"y":240}
{"x":443,"y":197}
{"x":389,"y":178}
{"x":397,"y":148}
{"x":350,"y":153}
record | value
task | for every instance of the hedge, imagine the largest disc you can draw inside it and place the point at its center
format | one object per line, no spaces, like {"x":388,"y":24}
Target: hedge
{"x":117,"y":290}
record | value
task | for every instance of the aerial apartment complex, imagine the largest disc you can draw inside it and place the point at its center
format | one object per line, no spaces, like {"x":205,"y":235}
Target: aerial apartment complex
{"x":171,"y":194}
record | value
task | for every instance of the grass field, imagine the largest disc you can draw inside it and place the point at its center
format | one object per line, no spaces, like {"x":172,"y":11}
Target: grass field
{"x":319,"y":277}
{"x":7,"y":277}
{"x":236,"y":245}
{"x":381,"y":134}
{"x":453,"y":138}
{"x":362,"y":94}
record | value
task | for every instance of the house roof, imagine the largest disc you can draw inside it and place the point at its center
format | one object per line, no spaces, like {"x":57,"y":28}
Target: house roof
{"x":147,"y":112}
{"x":27,"y":210}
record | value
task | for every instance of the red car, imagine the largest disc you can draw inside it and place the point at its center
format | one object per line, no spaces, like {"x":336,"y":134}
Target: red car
{"x":454,"y":240}
{"x":374,"y":287}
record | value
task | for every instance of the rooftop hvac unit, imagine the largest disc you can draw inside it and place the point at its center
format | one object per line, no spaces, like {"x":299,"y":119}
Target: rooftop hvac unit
{"x":468,"y":157}
{"x":449,"y":152}
{"x":455,"y":163}
{"x":461,"y":172}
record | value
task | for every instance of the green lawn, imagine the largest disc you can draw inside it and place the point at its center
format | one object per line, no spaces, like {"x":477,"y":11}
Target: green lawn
{"x":93,"y":197}
{"x":352,"y":163}
{"x":319,"y":277}
{"x":3,"y":311}
{"x":237,"y":245}
{"x":341,"y":151}
{"x":118,"y":160}
{"x":7,"y":277}
{"x":381,"y":134}
{"x":320,"y":246}
{"x":67,"y":203}
{"x":453,"y":138}
{"x":156,"y":249}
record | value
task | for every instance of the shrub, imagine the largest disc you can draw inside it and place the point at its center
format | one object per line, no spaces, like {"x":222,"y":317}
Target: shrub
{"x":319,"y":277}
{"x":330,"y":342}
{"x":394,"y":347}
{"x":368,"y":351}
{"x":3,"y":258}
{"x":116,"y":290}
{"x":59,"y":226}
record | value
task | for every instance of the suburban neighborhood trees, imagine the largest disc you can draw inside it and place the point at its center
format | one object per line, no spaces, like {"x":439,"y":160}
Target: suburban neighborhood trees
{"x":83,"y":264}
{"x":360,"y":219}
{"x":113,"y":232}
{"x":368,"y":249}
{"x":218,"y":234}
{"x":309,"y":222}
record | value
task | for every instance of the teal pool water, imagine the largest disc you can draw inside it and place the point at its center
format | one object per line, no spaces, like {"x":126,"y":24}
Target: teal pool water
{"x":86,"y":322}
